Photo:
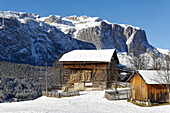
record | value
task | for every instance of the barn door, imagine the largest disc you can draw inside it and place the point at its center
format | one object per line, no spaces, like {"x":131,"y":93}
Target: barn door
{"x":86,"y":75}
{"x":81,"y":75}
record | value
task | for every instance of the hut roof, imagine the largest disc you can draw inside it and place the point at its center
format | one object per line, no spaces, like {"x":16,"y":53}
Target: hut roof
{"x":154,"y":76}
{"x":104,"y":55}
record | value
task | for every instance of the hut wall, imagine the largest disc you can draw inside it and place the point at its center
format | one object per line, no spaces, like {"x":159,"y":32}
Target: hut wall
{"x":139,"y":89}
{"x":158,"y":93}
{"x":112,"y":71}
{"x":96,"y":71}
{"x":142,"y":91}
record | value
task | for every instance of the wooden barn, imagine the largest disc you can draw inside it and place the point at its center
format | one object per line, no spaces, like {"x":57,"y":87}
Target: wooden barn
{"x":147,"y":85}
{"x":89,"y":69}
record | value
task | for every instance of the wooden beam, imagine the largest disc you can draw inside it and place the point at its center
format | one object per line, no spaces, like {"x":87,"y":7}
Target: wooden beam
{"x":85,"y":68}
{"x":82,"y":62}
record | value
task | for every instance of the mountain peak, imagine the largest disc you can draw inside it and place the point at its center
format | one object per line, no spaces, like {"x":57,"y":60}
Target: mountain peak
{"x":19,"y":15}
{"x":126,"y":26}
{"x":83,"y":18}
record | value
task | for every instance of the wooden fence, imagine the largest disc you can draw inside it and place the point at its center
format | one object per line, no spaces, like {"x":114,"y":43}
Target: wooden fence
{"x":60,"y":94}
{"x":120,"y":95}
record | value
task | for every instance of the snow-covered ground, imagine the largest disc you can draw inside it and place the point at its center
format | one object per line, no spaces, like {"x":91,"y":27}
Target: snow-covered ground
{"x":87,"y":102}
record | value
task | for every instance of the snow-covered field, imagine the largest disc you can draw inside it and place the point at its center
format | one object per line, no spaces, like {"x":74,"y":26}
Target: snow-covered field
{"x":87,"y":102}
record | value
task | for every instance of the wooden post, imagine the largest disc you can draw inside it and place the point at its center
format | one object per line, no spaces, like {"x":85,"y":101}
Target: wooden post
{"x":118,"y":95}
{"x":54,"y":78}
{"x":169,"y":95}
{"x":108,"y":75}
{"x":62,"y":75}
{"x":59,"y":79}
{"x":127,"y":94}
{"x":92,"y":74}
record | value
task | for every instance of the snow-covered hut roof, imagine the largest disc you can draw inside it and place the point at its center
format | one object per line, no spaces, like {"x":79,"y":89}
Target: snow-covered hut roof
{"x":104,"y":55}
{"x":153,"y":76}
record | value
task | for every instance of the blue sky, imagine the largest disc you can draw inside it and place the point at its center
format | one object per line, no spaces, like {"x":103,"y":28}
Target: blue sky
{"x":151,"y":15}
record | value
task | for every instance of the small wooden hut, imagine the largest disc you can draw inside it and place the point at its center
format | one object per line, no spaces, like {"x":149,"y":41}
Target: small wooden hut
{"x":147,"y":85}
{"x":89,"y":68}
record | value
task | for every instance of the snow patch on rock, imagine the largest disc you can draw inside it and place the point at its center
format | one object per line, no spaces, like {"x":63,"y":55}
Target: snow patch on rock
{"x":164,"y":51}
{"x":126,"y":26}
{"x":78,"y":23}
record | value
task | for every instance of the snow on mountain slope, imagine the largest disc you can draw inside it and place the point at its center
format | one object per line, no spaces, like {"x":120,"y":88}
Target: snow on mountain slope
{"x":127,"y":60}
{"x":163,"y":51}
{"x":26,"y":40}
{"x":21,"y":16}
{"x":77,"y":23}
{"x":126,"y":26}
{"x":72,"y":23}
{"x":103,"y":34}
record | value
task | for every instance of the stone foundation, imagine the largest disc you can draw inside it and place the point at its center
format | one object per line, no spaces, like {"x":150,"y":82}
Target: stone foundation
{"x":147,"y":103}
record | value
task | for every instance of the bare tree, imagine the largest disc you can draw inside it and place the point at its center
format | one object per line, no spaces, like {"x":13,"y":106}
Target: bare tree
{"x":144,"y":61}
{"x":114,"y":75}
{"x":163,"y":72}
{"x":139,"y":59}
{"x":155,"y":64}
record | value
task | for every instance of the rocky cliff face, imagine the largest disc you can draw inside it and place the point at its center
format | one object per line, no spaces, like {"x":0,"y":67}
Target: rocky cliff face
{"x":105,"y":35}
{"x":27,"y":38}
{"x":23,"y":39}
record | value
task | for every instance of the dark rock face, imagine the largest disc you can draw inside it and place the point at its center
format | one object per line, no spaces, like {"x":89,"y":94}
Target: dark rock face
{"x":34,"y":42}
{"x":107,"y":36}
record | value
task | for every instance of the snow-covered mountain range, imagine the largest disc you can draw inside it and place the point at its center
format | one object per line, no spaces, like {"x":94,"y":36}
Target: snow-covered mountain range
{"x":29,"y":38}
{"x":103,"y":34}
{"x":23,"y":39}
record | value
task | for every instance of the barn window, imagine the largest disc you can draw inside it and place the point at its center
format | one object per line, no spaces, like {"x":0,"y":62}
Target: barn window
{"x":133,"y":86}
{"x":142,"y":88}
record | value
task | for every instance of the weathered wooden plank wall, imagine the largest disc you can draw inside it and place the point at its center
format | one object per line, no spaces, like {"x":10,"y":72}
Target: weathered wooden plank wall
{"x":139,"y":89}
{"x":142,"y":91}
{"x":158,"y":93}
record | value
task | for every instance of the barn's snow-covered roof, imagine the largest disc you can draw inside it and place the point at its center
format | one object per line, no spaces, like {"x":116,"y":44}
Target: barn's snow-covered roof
{"x":104,"y":55}
{"x":153,"y":76}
